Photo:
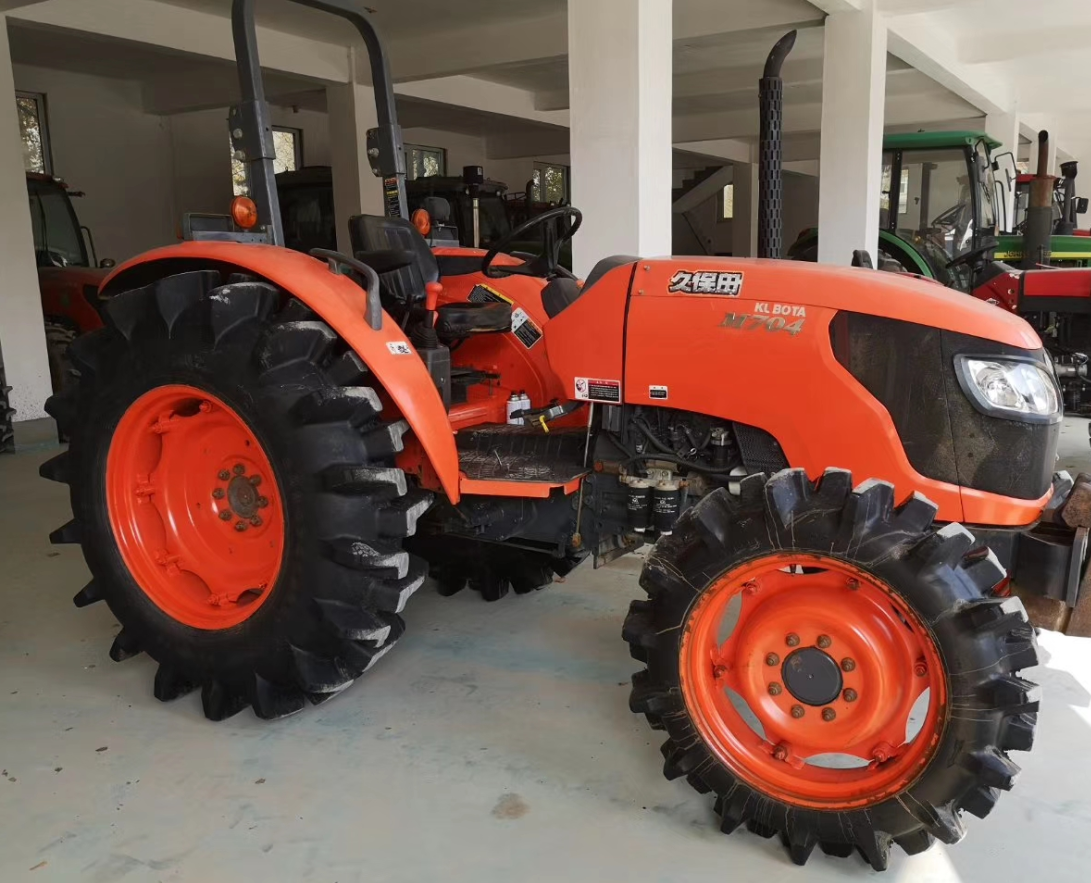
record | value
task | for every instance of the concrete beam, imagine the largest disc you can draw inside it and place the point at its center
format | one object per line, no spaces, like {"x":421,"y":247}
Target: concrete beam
{"x":191,"y":32}
{"x":472,"y":92}
{"x":9,"y":5}
{"x":708,"y":188}
{"x":1024,"y":43}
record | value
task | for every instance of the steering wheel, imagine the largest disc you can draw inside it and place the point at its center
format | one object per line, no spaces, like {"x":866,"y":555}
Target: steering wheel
{"x":547,"y":263}
{"x":971,"y":257}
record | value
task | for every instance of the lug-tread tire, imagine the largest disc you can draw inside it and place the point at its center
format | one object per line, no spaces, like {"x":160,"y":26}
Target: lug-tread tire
{"x":940,"y":573}
{"x":345,"y":576}
{"x":490,"y":569}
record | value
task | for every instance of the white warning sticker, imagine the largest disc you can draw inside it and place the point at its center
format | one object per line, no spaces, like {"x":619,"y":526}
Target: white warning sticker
{"x":524,"y":328}
{"x":657,"y":392}
{"x":589,"y":389}
{"x":399,"y":348}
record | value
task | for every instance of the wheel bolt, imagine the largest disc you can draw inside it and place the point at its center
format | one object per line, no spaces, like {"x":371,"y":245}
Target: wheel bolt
{"x":797,"y":711}
{"x":772,"y":659}
{"x":218,"y":493}
{"x":263,"y":502}
{"x":848,"y":664}
{"x":204,"y":407}
{"x":239,"y":469}
{"x":256,"y":521}
{"x":854,"y":583}
{"x":223,"y":475}
{"x":718,"y":671}
{"x":225,"y":515}
{"x":255,"y":480}
{"x":828,"y":714}
{"x":792,"y":639}
{"x":824,"y":641}
{"x":920,"y":670}
{"x":780,"y":753}
{"x":240,"y":526}
{"x":849,"y":695}
{"x":775,"y":689}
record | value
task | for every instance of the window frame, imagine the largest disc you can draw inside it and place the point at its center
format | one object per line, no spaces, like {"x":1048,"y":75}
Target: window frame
{"x":297,"y":134}
{"x":408,"y":149}
{"x":539,"y":173}
{"x":42,"y":108}
{"x":724,"y":216}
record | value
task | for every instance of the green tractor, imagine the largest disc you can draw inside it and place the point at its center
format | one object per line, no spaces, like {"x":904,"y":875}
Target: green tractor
{"x":1069,"y":246}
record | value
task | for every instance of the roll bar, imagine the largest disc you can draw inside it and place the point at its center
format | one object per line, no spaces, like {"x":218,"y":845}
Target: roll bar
{"x":252,"y":129}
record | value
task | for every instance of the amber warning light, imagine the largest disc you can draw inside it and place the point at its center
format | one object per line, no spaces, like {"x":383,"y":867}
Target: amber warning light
{"x":244,"y":212}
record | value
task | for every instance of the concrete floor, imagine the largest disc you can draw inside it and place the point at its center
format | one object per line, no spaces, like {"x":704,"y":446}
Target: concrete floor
{"x":494,"y":744}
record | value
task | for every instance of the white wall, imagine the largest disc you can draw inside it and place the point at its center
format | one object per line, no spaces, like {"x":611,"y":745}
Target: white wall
{"x":105,"y":145}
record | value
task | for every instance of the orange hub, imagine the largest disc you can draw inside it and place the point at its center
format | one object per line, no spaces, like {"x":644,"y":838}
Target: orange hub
{"x":195,"y":507}
{"x":820,"y":688}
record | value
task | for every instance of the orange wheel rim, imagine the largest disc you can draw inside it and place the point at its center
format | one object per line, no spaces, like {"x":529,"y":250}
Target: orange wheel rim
{"x":823,"y":689}
{"x":194,"y":506}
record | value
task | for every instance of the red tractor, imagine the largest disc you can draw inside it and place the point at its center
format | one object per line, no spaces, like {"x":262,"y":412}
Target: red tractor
{"x":270,"y":450}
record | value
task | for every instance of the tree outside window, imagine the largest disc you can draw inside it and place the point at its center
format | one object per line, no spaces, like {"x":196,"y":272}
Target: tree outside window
{"x":550,"y":183}
{"x":33,"y":133}
{"x":288,"y":150}
{"x":424,"y":162}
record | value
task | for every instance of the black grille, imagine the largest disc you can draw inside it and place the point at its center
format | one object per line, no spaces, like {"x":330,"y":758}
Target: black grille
{"x":910,"y":369}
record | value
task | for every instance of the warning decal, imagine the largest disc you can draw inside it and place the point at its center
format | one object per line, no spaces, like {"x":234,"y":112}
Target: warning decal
{"x":591,"y":390}
{"x":523,"y":327}
{"x":657,"y":392}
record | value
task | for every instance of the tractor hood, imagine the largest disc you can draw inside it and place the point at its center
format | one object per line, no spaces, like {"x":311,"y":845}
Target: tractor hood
{"x":898,"y":296}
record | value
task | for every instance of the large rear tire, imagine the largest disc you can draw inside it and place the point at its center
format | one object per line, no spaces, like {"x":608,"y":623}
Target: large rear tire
{"x":792,"y":634}
{"x":234,"y":492}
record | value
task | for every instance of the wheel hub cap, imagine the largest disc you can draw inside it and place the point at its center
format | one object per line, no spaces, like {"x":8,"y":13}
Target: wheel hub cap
{"x":811,"y":676}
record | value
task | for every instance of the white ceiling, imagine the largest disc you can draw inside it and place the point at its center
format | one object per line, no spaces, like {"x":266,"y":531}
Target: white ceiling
{"x":991,"y":53}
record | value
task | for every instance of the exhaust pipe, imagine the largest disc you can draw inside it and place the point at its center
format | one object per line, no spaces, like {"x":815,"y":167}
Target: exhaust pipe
{"x":1039,"y":228}
{"x":1067,"y":225}
{"x":771,"y":151}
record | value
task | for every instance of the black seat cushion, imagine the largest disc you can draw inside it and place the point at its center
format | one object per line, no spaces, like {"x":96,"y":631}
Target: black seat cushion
{"x":561,"y":292}
{"x":459,"y":320}
{"x":375,"y":233}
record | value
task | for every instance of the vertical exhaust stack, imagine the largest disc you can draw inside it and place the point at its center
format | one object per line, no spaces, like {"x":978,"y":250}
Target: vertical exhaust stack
{"x":1039,"y":228}
{"x":1067,"y":225}
{"x":771,"y":151}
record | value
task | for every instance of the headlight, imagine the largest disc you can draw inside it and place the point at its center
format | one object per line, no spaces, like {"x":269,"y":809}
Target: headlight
{"x":1018,"y":390}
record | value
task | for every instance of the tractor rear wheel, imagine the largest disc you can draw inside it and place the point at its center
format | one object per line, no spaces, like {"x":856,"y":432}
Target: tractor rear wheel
{"x":834,"y":669}
{"x":234,"y":491}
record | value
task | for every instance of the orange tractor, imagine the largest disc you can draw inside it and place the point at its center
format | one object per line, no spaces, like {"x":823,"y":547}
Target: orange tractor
{"x":270,"y":450}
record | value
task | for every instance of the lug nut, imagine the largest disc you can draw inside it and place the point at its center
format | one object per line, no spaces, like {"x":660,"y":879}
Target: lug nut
{"x":849,"y":695}
{"x":263,"y":502}
{"x":240,"y":526}
{"x":255,"y":480}
{"x":848,"y":664}
{"x":920,"y":670}
{"x":239,"y":469}
{"x":218,"y":494}
{"x":828,"y":714}
{"x":824,"y":641}
{"x":223,"y":475}
{"x":792,"y":639}
{"x":772,"y":659}
{"x":225,"y":515}
{"x":854,"y":583}
{"x":256,"y":521}
{"x":718,"y":671}
{"x":780,"y":753}
{"x":797,"y":711}
{"x":775,"y":689}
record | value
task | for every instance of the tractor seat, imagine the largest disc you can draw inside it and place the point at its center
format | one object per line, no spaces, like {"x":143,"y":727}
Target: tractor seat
{"x":394,"y":248}
{"x":561,"y":292}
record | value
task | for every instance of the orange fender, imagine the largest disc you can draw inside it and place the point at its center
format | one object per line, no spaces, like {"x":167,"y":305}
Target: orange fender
{"x":342,"y":304}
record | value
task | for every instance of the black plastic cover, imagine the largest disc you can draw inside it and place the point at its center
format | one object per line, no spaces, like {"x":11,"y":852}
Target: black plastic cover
{"x":910,"y":369}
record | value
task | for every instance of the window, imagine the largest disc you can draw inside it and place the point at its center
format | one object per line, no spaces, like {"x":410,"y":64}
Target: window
{"x":288,"y":149}
{"x":424,"y":162}
{"x":58,"y":240}
{"x":550,"y":183}
{"x":34,"y":133}
{"x":729,"y":202}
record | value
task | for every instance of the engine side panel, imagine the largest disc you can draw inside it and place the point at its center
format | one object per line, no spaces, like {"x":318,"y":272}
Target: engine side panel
{"x":759,"y":352}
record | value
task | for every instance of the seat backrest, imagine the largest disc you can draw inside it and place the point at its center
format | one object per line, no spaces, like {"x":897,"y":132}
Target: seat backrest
{"x":380,"y":233}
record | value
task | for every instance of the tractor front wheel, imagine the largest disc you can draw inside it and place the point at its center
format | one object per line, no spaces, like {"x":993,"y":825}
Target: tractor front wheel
{"x":834,"y":669}
{"x":234,"y":491}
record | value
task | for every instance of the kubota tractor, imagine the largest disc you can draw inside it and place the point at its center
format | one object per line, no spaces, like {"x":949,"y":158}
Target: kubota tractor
{"x":269,"y":450}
